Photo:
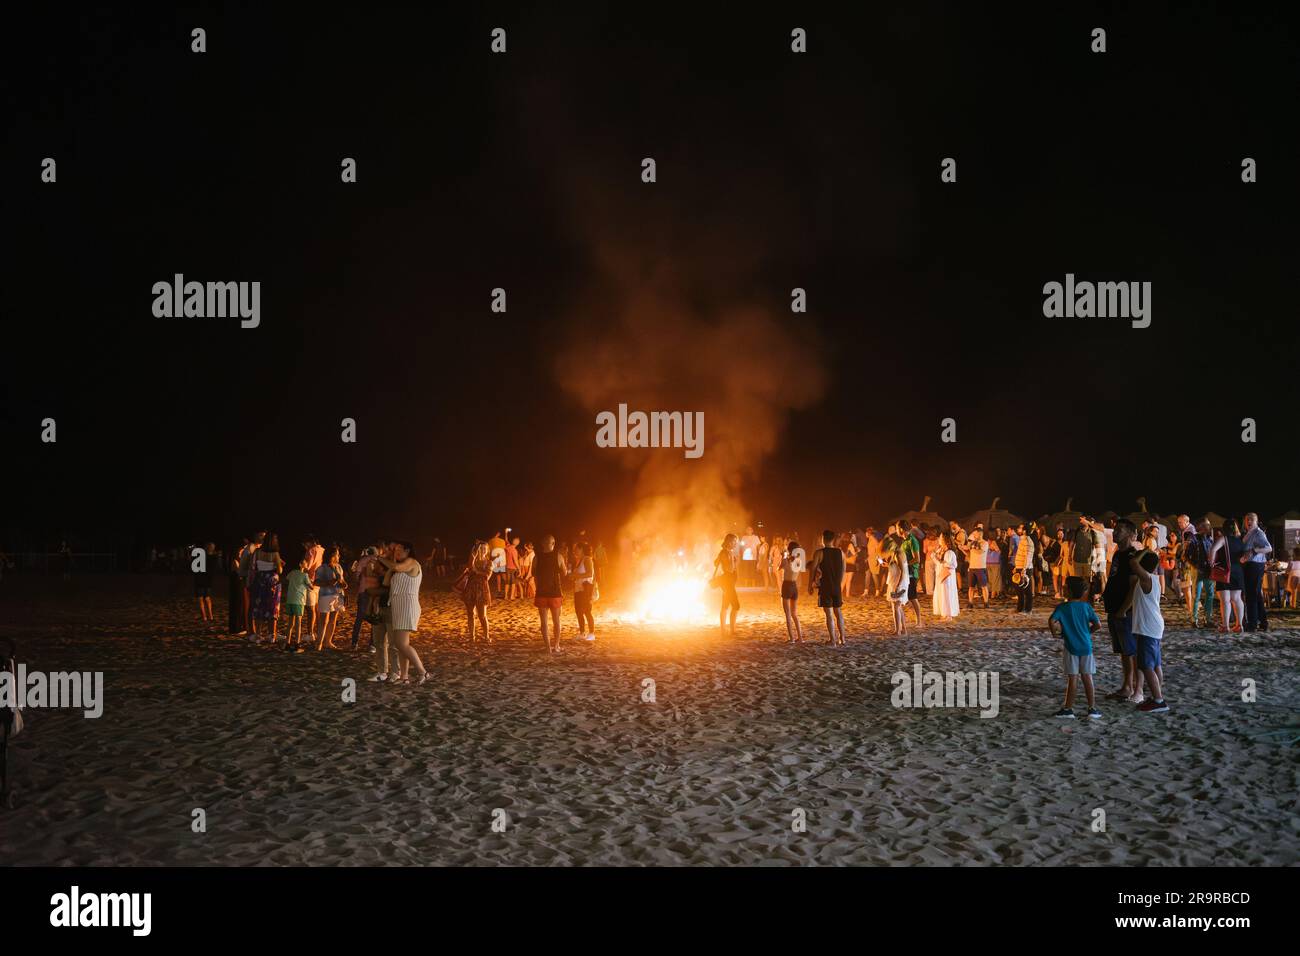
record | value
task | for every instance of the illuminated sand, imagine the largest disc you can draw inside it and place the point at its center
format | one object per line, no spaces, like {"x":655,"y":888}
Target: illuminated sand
{"x":743,"y":733}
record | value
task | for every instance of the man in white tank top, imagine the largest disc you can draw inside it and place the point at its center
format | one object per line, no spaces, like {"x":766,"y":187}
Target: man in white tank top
{"x":1148,"y":628}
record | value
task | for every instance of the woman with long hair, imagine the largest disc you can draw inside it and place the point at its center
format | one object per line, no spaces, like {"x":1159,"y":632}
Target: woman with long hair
{"x":478,"y":594}
{"x":402,"y":577}
{"x":793,"y":560}
{"x":1058,"y":559}
{"x":725,"y":567}
{"x":1226,"y":552}
{"x":265,"y":599}
{"x":850,"y":563}
{"x":332,"y":585}
{"x":944,"y":557}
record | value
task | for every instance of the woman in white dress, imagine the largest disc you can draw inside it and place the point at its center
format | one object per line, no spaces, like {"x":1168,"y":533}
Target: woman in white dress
{"x":403,"y":577}
{"x":945,"y":578}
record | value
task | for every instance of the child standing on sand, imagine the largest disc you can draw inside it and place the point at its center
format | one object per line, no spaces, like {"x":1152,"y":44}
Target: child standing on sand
{"x":1074,"y":621}
{"x":1148,"y":627}
{"x":296,"y":586}
{"x":897,"y":579}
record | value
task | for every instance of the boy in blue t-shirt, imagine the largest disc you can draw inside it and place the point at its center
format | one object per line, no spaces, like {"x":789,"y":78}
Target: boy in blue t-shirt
{"x":1075,"y":621}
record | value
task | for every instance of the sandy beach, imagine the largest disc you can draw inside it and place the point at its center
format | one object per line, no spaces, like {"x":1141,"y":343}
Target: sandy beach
{"x":743,"y":734}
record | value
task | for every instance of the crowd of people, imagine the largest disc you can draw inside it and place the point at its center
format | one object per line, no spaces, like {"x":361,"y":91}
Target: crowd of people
{"x":1129,"y":568}
{"x":308,"y":593}
{"x":1023,"y":561}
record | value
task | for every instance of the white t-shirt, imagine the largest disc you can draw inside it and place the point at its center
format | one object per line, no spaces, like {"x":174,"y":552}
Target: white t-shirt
{"x":749,"y":547}
{"x":978,"y":555}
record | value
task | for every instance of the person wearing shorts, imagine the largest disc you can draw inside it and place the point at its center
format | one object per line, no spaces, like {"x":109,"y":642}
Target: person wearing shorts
{"x":1149,"y":628}
{"x":1116,"y":598}
{"x":548,"y":573}
{"x":792,"y":565}
{"x":977,"y":556}
{"x":1074,"y":621}
{"x":827,"y":576}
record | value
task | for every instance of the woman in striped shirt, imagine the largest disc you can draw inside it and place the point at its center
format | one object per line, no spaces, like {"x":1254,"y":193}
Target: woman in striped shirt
{"x":402,"y":576}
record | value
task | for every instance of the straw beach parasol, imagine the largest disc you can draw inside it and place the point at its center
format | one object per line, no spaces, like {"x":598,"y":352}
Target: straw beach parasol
{"x":923,"y":515}
{"x":1067,"y":517}
{"x":991,"y":517}
{"x":1137,"y":517}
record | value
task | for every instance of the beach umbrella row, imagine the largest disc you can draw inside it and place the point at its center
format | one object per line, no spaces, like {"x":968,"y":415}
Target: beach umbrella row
{"x":991,"y":517}
{"x":996,"y":517}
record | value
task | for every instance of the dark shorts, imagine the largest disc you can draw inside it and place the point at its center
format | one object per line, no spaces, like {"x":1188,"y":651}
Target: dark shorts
{"x":1148,"y":654}
{"x":789,"y":590}
{"x":202,"y":590}
{"x":911,"y":588}
{"x":1121,"y":634}
{"x":979,"y":578}
{"x":548,"y":603}
{"x":832,"y":598}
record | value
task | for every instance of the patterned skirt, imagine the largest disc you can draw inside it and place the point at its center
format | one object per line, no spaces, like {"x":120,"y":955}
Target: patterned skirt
{"x":265,"y":603}
{"x":476,"y":590}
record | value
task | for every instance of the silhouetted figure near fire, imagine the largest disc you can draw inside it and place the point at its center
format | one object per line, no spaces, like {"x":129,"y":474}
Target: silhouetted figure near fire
{"x":725,"y":568}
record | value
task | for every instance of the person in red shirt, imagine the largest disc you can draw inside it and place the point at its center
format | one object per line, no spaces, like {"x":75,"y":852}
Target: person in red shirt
{"x":512,"y":568}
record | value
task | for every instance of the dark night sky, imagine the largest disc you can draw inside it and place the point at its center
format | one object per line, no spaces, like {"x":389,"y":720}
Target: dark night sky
{"x":925,"y":298}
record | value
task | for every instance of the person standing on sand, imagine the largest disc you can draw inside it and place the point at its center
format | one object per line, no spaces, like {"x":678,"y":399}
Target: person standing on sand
{"x":246,"y":557}
{"x":725,"y":569}
{"x":977,"y":558}
{"x":548,"y":572}
{"x":1148,"y":625}
{"x":315,"y":553}
{"x":945,"y":604}
{"x":478,"y":592}
{"x":1024,"y":565}
{"x":527,"y":586}
{"x":402,"y":576}
{"x":993,"y":564}
{"x":368,"y":571}
{"x":1119,"y":614}
{"x":265,"y":588}
{"x":792,"y":559}
{"x":911,"y":548}
{"x":235,"y":592}
{"x":1256,"y":548}
{"x":584,"y":588}
{"x":826,"y":575}
{"x":331,"y":586}
{"x":296,"y":586}
{"x":897,"y":581}
{"x":1074,"y":621}
{"x":203,"y":583}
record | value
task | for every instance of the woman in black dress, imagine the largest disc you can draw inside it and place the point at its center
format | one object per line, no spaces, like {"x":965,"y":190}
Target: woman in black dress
{"x":1227,"y":551}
